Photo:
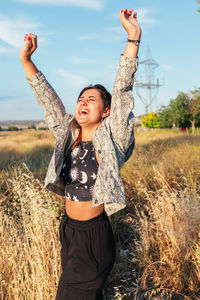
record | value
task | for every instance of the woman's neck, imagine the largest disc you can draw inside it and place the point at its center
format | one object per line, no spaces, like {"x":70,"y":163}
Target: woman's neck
{"x":86,"y":133}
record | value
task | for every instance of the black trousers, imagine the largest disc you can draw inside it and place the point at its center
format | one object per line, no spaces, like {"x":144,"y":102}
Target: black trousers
{"x":87,"y":256}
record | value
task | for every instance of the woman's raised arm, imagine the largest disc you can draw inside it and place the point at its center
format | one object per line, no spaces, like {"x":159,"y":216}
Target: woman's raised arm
{"x":128,"y":19}
{"x":122,"y":104}
{"x":26,"y":53}
{"x":44,"y":93}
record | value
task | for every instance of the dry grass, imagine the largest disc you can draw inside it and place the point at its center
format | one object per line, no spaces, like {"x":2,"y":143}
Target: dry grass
{"x":158,"y":234}
{"x":29,"y":253}
{"x":33,"y":148}
{"x":162,"y":181}
{"x":169,"y":240}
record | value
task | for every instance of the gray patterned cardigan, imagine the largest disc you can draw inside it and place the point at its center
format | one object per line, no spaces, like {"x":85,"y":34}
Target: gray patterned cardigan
{"x":113,"y":140}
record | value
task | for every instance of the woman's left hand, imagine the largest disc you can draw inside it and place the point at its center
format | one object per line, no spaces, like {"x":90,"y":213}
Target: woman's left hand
{"x":128,"y":19}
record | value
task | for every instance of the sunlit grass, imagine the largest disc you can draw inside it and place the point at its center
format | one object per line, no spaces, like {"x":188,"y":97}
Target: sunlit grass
{"x":33,"y":148}
{"x":158,"y":233}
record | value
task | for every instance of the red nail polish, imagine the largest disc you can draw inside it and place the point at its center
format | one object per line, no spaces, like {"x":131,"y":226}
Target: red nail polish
{"x":29,"y":38}
{"x":122,"y":10}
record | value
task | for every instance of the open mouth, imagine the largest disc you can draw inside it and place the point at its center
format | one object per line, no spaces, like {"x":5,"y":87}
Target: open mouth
{"x":83,"y":112}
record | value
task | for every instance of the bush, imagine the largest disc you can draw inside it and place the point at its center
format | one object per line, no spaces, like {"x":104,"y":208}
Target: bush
{"x":43,"y":128}
{"x":32,"y":126}
{"x":12,"y":128}
{"x":150,"y":121}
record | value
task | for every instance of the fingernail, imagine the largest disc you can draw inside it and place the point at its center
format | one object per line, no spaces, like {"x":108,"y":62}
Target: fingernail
{"x":122,"y":10}
{"x":29,"y":38}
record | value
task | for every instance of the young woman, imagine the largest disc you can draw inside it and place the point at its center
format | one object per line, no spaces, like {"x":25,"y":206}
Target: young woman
{"x":90,"y":149}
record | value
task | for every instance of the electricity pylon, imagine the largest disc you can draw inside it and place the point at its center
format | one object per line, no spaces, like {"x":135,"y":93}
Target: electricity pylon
{"x":149,"y":84}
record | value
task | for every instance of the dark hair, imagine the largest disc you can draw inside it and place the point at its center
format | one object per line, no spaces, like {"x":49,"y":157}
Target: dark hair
{"x":105,"y":95}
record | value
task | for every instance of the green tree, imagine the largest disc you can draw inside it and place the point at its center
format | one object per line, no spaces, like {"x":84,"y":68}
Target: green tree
{"x":194,"y":109}
{"x":165,"y":117}
{"x":43,"y":128}
{"x":150,"y":121}
{"x":184,"y":111}
{"x":179,"y":113}
{"x":12,"y":128}
{"x":32,"y":126}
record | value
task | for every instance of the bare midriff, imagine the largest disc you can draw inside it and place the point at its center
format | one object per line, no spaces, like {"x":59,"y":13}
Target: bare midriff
{"x":82,"y":210}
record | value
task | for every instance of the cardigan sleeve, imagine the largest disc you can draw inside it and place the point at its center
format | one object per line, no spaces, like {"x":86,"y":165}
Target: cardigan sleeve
{"x":48,"y":100}
{"x":122,"y":104}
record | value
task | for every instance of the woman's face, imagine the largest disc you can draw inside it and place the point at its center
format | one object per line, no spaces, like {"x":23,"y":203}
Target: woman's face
{"x":90,"y":109}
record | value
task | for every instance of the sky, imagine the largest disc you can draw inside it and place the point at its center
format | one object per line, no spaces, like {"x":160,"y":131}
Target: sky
{"x":80,"y":42}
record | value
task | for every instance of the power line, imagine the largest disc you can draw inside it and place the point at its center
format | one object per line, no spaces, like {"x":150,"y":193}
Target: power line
{"x":149,"y":84}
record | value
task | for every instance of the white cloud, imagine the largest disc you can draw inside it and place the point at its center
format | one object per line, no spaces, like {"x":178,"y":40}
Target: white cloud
{"x":91,"y":4}
{"x":143,"y":16}
{"x":166,"y":67}
{"x":115,"y":15}
{"x":74,"y":80}
{"x":5,"y":50}
{"x":108,"y":36}
{"x":114,"y":33}
{"x":107,"y":77}
{"x":87,"y":37}
{"x":80,"y":60}
{"x":14,"y":108}
{"x":7,"y":98}
{"x":12,"y":31}
{"x":117,"y":29}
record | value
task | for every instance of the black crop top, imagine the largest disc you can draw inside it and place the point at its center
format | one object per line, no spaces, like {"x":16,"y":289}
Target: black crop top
{"x":79,"y":172}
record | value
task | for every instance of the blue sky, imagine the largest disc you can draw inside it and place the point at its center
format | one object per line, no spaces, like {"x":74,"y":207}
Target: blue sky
{"x":80,"y":42}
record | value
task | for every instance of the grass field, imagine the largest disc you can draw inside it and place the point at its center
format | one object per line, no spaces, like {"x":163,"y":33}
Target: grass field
{"x":157,"y":234}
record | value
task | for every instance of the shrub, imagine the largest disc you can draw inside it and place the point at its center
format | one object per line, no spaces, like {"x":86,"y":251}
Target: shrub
{"x":32,"y":126}
{"x":12,"y":128}
{"x":150,"y":121}
{"x":43,"y":128}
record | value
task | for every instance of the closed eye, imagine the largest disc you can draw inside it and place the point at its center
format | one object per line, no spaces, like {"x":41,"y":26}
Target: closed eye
{"x":91,"y":98}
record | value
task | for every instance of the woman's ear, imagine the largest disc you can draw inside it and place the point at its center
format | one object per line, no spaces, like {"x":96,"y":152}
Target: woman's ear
{"x":106,"y":112}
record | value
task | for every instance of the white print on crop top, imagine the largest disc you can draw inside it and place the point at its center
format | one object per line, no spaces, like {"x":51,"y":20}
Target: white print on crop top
{"x":79,"y":172}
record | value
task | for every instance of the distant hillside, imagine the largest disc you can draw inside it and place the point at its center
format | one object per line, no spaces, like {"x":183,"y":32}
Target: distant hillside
{"x":39,"y":123}
{"x":22,"y":123}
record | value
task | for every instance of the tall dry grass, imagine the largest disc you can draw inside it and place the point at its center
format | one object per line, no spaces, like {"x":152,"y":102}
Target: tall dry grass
{"x":158,"y":234}
{"x":169,"y":245}
{"x":33,"y":148}
{"x":29,"y":252}
{"x":162,"y":181}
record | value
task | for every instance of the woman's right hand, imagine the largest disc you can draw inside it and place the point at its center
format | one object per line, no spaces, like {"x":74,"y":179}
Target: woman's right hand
{"x":26,"y":53}
{"x":29,"y":48}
